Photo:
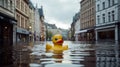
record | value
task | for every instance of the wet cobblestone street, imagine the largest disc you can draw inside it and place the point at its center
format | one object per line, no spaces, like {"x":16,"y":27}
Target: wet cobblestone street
{"x":80,"y":54}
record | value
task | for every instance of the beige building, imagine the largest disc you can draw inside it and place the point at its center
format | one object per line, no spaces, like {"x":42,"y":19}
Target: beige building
{"x":42,"y":25}
{"x":22,"y":16}
{"x":37,"y":25}
{"x":87,"y":19}
{"x":43,"y":30}
{"x":31,"y":22}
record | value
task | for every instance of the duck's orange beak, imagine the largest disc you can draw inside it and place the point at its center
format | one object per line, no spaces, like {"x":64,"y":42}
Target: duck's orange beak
{"x":60,"y":41}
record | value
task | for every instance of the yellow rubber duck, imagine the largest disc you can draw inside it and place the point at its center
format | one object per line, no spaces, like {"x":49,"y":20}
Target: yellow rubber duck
{"x":57,"y":44}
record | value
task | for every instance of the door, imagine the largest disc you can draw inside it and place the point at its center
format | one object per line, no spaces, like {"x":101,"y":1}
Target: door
{"x":6,"y":40}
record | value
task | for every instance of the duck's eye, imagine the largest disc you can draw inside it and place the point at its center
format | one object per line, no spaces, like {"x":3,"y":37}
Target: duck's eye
{"x":56,"y":39}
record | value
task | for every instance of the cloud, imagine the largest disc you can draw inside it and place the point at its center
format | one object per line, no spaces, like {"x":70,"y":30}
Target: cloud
{"x":61,"y":11}
{"x":59,"y":24}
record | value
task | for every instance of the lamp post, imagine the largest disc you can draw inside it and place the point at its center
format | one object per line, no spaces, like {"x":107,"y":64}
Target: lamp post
{"x":30,"y":34}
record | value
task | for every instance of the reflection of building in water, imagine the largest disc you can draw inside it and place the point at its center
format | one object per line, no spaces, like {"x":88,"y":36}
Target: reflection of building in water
{"x":90,"y":60}
{"x":35,"y":58}
{"x":21,"y":55}
{"x":107,"y":57}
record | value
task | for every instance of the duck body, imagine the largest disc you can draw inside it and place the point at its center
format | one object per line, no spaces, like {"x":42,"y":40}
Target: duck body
{"x":57,"y":44}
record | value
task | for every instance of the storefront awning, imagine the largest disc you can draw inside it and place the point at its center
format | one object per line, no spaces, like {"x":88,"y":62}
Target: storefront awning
{"x":22,"y":31}
{"x":8,"y":18}
{"x":81,"y":31}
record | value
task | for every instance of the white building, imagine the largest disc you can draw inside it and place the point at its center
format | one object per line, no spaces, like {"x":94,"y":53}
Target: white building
{"x":107,"y":20}
{"x":55,"y":31}
{"x":64,"y":33}
{"x":77,"y":26}
{"x":37,"y":25}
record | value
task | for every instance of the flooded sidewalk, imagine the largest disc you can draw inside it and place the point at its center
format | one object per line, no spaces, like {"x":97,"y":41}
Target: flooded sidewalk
{"x":80,"y":54}
{"x":21,"y":53}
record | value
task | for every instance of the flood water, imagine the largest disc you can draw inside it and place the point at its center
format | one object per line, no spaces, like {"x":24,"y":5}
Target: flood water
{"x":79,"y":54}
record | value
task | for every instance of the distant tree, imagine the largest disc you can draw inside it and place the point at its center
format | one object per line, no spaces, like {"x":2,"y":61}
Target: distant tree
{"x":49,"y":35}
{"x":46,"y":34}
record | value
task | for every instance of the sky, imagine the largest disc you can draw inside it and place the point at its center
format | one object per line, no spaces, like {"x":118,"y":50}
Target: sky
{"x":59,"y":12}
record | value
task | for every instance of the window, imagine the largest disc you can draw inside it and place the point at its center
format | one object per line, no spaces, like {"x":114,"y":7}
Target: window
{"x":109,"y":17}
{"x":18,"y":19}
{"x":103,"y":16}
{"x":113,"y":15}
{"x":93,"y":22}
{"x":98,"y":7}
{"x":113,"y":2}
{"x":103,"y":5}
{"x":108,"y":3}
{"x":22,"y":5}
{"x":18,"y":4}
{"x":11,"y":5}
{"x":92,"y":11}
{"x":22,"y":22}
{"x":98,"y":19}
{"x":26,"y":8}
{"x":1,"y":2}
{"x":6,"y":3}
{"x":26,"y":25}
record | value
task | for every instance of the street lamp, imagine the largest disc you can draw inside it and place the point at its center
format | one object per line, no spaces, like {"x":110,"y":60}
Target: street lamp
{"x":30,"y":27}
{"x":30,"y":34}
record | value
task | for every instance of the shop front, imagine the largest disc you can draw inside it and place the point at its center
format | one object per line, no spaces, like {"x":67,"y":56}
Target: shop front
{"x":22,"y":35}
{"x":119,"y":31}
{"x":90,"y":35}
{"x":109,"y":33}
{"x":87,"y":35}
{"x":77,"y":36}
{"x":7,"y":39}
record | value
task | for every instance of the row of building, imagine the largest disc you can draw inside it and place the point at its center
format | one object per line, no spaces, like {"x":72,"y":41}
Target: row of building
{"x":97,"y":20}
{"x":20,"y":21}
{"x":51,"y":29}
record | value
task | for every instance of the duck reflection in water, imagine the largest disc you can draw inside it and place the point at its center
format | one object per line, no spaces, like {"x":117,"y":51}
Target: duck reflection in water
{"x":57,"y":47}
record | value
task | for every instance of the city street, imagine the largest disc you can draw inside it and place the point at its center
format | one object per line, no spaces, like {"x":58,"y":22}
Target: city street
{"x":85,"y":33}
{"x":79,"y":54}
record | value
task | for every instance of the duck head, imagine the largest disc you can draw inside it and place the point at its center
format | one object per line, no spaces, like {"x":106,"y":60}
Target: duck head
{"x":57,"y":39}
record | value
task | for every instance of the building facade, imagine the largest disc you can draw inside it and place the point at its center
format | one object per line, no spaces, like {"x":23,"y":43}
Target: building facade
{"x":31,"y":22}
{"x":51,"y":30}
{"x":107,"y":20}
{"x":64,"y":33}
{"x":37,"y":25}
{"x":22,"y":16}
{"x":42,"y":25}
{"x":72,"y":29}
{"x":69,"y":34}
{"x":87,"y":20}
{"x":7,"y":32}
{"x":77,"y":26}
